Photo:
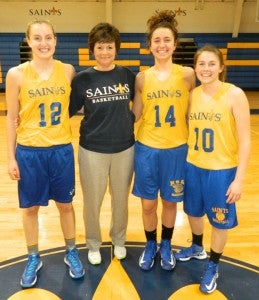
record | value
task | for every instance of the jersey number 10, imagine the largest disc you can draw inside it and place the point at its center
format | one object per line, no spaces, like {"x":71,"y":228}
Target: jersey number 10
{"x":207,"y":136}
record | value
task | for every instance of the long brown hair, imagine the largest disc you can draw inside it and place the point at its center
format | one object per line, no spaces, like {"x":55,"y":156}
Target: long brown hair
{"x":217,"y":52}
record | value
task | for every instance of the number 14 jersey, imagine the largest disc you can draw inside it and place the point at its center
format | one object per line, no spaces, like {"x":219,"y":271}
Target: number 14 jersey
{"x":163,"y":124}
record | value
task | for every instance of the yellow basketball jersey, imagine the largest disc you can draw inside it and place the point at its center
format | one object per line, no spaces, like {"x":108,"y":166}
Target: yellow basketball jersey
{"x":44,"y":108}
{"x":165,"y":104}
{"x":212,"y":132}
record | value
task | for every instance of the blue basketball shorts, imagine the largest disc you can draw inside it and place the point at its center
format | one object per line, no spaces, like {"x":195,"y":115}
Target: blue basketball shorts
{"x":205,"y":193}
{"x":159,"y":171}
{"x":46,"y":173}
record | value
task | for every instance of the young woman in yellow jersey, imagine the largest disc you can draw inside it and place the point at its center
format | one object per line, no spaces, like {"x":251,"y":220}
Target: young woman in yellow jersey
{"x":161,"y":101}
{"x":41,"y":156}
{"x":218,"y":152}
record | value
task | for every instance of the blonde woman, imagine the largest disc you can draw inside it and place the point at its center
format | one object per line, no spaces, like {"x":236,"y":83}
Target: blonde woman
{"x":41,"y":156}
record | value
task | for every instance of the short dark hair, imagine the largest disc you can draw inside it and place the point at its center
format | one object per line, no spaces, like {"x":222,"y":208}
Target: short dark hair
{"x":104,"y":33}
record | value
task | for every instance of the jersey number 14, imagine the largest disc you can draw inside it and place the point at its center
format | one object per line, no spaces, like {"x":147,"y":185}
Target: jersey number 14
{"x":169,"y":118}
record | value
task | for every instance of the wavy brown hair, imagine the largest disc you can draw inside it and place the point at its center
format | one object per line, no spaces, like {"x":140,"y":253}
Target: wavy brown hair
{"x":162,"y":19}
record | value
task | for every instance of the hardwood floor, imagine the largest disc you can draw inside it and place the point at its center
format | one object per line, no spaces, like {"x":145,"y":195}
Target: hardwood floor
{"x":243,"y":242}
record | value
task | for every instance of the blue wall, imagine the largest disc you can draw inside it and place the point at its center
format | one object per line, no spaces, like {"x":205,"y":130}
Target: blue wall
{"x":245,"y":76}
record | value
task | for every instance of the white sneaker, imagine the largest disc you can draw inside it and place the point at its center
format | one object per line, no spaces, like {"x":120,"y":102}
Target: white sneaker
{"x":94,"y":257}
{"x":120,"y":252}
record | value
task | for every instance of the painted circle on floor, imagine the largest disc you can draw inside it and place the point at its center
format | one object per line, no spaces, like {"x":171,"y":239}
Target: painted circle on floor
{"x":114,"y":279}
{"x":33,"y":294}
{"x":193,"y":289}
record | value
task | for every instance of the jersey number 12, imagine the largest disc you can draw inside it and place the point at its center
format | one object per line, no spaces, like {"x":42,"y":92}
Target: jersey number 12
{"x":55,"y":109}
